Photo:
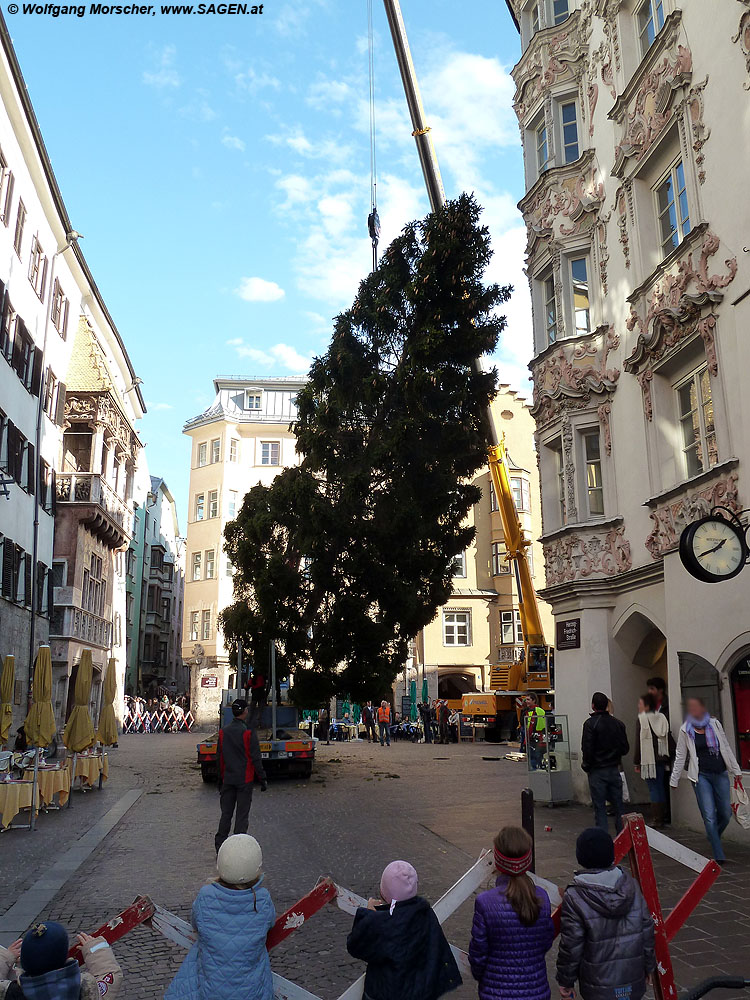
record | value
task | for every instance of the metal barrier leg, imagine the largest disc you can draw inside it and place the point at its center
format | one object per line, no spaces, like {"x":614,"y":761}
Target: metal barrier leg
{"x":527,"y":821}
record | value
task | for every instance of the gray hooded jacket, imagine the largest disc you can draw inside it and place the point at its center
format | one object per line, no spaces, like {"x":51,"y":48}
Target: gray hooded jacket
{"x":606,"y":937}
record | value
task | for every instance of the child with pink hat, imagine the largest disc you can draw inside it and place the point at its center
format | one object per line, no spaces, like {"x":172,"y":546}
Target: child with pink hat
{"x":400,"y":939}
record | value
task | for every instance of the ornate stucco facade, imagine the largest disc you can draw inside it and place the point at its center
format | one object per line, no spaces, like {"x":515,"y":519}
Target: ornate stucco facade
{"x":635,"y":122}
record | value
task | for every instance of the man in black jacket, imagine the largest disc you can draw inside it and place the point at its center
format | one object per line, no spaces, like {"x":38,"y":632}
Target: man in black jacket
{"x":604,"y":743}
{"x":240,"y":764}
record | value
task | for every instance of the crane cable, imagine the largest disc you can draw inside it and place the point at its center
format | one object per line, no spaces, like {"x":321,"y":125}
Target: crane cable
{"x":373,"y":219}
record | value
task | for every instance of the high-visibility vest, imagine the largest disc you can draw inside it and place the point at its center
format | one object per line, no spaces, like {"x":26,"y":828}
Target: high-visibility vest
{"x":538,"y":726}
{"x":384,"y":714}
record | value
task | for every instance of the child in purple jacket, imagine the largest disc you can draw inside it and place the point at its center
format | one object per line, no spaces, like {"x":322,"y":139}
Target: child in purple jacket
{"x":512,"y":930}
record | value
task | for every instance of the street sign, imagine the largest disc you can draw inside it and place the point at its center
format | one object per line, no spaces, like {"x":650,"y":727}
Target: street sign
{"x":212,"y":681}
{"x":568,"y":634}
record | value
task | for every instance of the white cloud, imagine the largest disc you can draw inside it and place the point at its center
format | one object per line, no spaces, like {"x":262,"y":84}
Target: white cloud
{"x":165,"y":75}
{"x":279,"y":356}
{"x":252,"y":81}
{"x":259,"y":290}
{"x":157,"y":407}
{"x":332,"y":149}
{"x":199,"y":109}
{"x":326,"y":95}
{"x":233,"y":142}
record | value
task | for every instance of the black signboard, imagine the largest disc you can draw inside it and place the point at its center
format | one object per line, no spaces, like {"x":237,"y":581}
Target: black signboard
{"x":405,"y":707}
{"x":568,"y":634}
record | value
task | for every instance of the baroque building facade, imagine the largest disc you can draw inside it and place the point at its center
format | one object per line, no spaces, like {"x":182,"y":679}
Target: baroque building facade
{"x":634,"y":118}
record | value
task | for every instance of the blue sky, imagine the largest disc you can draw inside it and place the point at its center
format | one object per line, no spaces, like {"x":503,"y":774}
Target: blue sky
{"x":218,"y":168}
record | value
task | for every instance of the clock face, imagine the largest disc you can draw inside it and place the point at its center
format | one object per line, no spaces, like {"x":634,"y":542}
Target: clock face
{"x":713,"y":549}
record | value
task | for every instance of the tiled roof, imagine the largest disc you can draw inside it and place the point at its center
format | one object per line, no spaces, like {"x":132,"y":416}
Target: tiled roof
{"x":87,"y":371}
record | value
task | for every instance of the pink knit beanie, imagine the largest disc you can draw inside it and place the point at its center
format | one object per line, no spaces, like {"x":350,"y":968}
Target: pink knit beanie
{"x":399,"y":882}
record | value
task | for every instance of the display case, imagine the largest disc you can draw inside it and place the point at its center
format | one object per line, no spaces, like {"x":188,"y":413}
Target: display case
{"x":548,"y":758}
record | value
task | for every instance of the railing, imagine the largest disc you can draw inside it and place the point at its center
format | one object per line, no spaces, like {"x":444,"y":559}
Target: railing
{"x":76,"y":623}
{"x":90,"y":487}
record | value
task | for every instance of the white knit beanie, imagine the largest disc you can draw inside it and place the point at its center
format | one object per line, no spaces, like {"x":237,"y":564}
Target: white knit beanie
{"x":239,"y":860}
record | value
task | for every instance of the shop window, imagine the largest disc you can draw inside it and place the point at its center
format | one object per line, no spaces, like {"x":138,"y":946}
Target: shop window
{"x":739,"y":678}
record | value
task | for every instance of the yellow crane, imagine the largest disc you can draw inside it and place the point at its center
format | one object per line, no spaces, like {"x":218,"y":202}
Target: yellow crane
{"x":534,"y":671}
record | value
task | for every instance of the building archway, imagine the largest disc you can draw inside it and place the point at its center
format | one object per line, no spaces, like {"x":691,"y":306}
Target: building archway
{"x":643,"y":645}
{"x":700,"y":679}
{"x":453,"y":686}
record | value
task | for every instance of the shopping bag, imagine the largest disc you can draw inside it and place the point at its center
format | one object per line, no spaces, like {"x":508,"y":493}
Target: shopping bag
{"x":740,"y":803}
{"x":625,"y":789}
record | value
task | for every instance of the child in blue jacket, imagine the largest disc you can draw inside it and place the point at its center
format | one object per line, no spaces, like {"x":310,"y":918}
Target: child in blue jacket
{"x":232,"y":917}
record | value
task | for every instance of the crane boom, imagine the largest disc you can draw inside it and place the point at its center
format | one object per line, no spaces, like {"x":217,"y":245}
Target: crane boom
{"x":536,"y":652}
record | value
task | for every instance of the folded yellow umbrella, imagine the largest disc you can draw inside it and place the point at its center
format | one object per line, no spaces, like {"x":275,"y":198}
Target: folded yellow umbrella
{"x":79,"y":729}
{"x":107,"y":733}
{"x":7,"y":680}
{"x":40,"y":722}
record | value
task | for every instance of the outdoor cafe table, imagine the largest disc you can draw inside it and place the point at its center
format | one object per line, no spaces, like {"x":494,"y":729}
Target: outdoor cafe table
{"x":89,"y":767}
{"x":15,"y":796}
{"x":52,"y":781}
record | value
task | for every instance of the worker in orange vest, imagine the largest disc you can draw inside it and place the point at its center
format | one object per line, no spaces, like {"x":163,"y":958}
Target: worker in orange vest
{"x":384,"y":723}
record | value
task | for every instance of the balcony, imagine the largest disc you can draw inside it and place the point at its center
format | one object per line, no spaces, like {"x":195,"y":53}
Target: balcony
{"x":74,"y":623}
{"x":98,"y":506}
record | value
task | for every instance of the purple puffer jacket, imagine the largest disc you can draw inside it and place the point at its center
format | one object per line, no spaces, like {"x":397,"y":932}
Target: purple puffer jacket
{"x":507,"y":959}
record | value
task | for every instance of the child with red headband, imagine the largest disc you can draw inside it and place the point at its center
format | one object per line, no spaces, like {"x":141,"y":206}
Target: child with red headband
{"x":512,"y":930}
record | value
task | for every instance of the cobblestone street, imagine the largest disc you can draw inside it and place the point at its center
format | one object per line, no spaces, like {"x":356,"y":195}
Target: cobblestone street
{"x":435,"y":806}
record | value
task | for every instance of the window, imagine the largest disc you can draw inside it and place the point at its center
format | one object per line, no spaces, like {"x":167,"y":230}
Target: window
{"x":195,"y":619}
{"x":550,"y":309}
{"x":511,"y":633}
{"x":559,"y":10}
{"x":672,"y":209}
{"x":569,"y":130}
{"x":206,"y":624}
{"x":650,"y":22}
{"x":270,"y":452}
{"x":94,"y":590}
{"x":202,"y":454}
{"x":696,"y":414}
{"x":7,"y":183}
{"x":252,"y":400}
{"x":493,"y":497}
{"x":210,"y":564}
{"x":59,"y":313}
{"x":234,"y":447}
{"x":50,"y":393}
{"x":500,"y":564}
{"x":37,"y":268}
{"x":456,"y":628}
{"x":230,"y":568}
{"x":580,"y":284}
{"x":594,"y":485}
{"x":200,"y":504}
{"x":213,"y":503}
{"x":557,"y":448}
{"x":216,"y":450}
{"x":197,"y":557}
{"x":535,"y":19}
{"x":20,"y":223}
{"x":7,"y":328}
{"x":542,"y":147}
{"x":521,"y":490}
{"x":232,"y":504}
{"x":459,"y":565}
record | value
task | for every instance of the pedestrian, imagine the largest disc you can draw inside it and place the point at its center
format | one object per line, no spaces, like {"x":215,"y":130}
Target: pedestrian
{"x":368,"y":718}
{"x":444,"y":717}
{"x":604,"y":743}
{"x":512,"y":930}
{"x":703,"y":751}
{"x":240,"y":764}
{"x":651,"y":755}
{"x":535,"y":731}
{"x":400,"y":938}
{"x":455,"y":725}
{"x":606,"y":929}
{"x":46,"y":972}
{"x":232,"y":917}
{"x":522,"y":708}
{"x":324,"y":726}
{"x":258,"y":694}
{"x":658,"y":690}
{"x":384,"y":723}
{"x":426,"y":717}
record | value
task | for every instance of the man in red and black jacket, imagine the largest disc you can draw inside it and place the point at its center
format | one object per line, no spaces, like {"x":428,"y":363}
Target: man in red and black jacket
{"x":240,"y":764}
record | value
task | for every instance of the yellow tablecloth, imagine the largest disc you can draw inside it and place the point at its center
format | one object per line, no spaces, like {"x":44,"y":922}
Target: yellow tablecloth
{"x":88,"y":768}
{"x":52,"y":781}
{"x":14,"y":796}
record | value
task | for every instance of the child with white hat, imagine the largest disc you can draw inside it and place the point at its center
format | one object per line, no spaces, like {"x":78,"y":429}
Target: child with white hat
{"x":232,"y":916}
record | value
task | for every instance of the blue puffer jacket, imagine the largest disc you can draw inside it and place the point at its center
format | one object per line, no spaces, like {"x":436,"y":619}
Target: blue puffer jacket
{"x":507,"y":959}
{"x":230,"y":959}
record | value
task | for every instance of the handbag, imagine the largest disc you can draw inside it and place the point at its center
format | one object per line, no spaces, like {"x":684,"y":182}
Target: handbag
{"x":740,"y":803}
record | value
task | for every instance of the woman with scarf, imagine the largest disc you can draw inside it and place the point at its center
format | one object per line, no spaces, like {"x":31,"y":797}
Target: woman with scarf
{"x":703,"y":751}
{"x":652,"y":754}
{"x":512,"y":930}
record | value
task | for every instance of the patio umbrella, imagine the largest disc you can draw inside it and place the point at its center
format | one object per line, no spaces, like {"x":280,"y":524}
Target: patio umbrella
{"x":425,"y":692}
{"x":107,"y":734}
{"x":7,"y":680}
{"x":79,"y":729}
{"x":413,"y":700}
{"x":40,"y":722}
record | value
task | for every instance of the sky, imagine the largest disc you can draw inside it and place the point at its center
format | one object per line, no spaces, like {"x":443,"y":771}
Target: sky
{"x":219,"y":170}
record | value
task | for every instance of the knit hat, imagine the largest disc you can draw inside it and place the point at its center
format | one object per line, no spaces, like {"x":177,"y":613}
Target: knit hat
{"x":595,"y":849}
{"x":45,"y":947}
{"x":239,"y":860}
{"x":398,"y":882}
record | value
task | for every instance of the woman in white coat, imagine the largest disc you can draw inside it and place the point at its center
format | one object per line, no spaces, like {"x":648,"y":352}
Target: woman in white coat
{"x":704,"y":753}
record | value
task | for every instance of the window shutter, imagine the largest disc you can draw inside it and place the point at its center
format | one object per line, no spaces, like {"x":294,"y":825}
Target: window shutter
{"x":60,"y":412}
{"x":8,"y":565}
{"x":9,"y":431}
{"x":18,"y":457}
{"x":5,"y":333}
{"x":27,"y":595}
{"x":9,"y":198}
{"x":30,"y":467}
{"x":54,"y":493}
{"x":17,"y":357}
{"x":36,"y":372}
{"x":17,"y":570}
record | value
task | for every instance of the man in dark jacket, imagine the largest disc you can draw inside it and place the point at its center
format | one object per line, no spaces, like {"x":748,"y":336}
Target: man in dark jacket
{"x":606,"y":929}
{"x":240,"y":764}
{"x":604,"y":743}
{"x":368,"y":718}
